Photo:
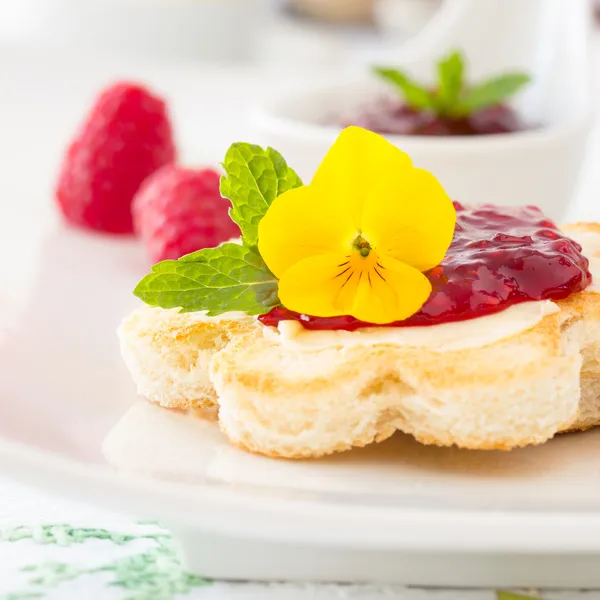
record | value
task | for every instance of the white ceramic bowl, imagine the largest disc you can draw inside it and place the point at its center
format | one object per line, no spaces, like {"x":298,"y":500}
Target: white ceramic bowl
{"x":539,"y":166}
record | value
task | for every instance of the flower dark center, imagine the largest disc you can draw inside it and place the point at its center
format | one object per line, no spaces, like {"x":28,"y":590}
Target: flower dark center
{"x":363,"y":247}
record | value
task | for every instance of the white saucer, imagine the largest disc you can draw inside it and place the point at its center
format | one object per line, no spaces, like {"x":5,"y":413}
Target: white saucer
{"x":395,"y":513}
{"x":64,"y":387}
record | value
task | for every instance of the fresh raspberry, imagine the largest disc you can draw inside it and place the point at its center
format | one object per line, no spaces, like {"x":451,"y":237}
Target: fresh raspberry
{"x":125,"y":138}
{"x":178,"y":211}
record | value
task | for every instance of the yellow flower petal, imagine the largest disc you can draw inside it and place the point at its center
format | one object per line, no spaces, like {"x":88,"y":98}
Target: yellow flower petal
{"x":394,"y":292}
{"x":409,"y":217}
{"x":302,"y":223}
{"x":320,"y":286}
{"x":355,"y":242}
{"x":354,"y":164}
{"x":375,"y":289}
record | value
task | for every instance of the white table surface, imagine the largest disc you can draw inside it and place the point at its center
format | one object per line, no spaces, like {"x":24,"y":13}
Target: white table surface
{"x":42,"y":97}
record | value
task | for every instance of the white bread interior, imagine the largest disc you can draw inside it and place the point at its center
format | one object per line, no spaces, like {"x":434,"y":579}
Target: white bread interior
{"x":298,"y":403}
{"x":168,"y":353}
{"x":588,"y":305}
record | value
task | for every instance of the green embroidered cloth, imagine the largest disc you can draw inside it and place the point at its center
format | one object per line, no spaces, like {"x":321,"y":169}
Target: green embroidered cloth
{"x":53,"y":549}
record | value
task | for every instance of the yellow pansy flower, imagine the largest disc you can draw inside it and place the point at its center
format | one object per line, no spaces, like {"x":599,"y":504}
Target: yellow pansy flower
{"x":357,"y":240}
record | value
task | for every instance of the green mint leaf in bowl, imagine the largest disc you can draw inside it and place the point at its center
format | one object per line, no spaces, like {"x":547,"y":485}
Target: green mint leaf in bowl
{"x":231,"y":277}
{"x":452,"y":105}
{"x":415,"y":95}
{"x":255,"y":177}
{"x":490,"y":93}
{"x":451,"y":80}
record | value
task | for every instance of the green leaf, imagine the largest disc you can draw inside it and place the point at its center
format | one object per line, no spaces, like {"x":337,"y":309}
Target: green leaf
{"x":230,"y":277}
{"x":415,"y":96}
{"x":451,"y":77}
{"x":255,"y":177}
{"x":491,"y":92}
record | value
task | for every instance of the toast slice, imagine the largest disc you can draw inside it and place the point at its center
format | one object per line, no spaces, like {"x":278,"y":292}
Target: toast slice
{"x":519,"y":386}
{"x":168,"y":353}
{"x":588,"y":305}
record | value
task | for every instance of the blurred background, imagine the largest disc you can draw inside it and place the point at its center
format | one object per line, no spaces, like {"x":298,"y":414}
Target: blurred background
{"x":216,"y":60}
{"x":268,"y":31}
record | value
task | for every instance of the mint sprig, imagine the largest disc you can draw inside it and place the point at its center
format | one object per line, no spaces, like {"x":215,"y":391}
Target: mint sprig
{"x":452,"y":96}
{"x":255,"y":177}
{"x":231,"y":277}
{"x":491,"y":92}
{"x":414,"y":94}
{"x":451,"y":72}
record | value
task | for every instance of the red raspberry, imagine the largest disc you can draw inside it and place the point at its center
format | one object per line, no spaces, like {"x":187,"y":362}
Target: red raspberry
{"x":126,"y":137}
{"x":178,"y":211}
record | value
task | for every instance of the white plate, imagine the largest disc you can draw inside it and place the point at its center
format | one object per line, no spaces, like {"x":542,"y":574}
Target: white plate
{"x":63,"y":387}
{"x":349,"y":517}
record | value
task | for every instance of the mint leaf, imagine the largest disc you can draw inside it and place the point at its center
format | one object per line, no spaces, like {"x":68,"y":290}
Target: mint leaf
{"x":230,"y":277}
{"x":255,"y":177}
{"x":451,"y":97}
{"x":415,"y":96}
{"x":451,"y":76}
{"x":491,"y":92}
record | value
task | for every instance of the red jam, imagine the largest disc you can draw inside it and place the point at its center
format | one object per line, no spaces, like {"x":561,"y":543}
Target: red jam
{"x":498,"y":257}
{"x":392,"y":117}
